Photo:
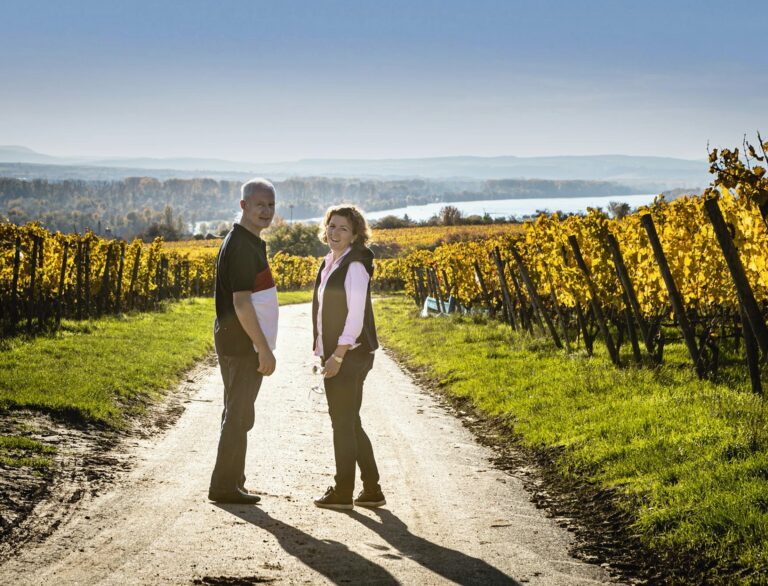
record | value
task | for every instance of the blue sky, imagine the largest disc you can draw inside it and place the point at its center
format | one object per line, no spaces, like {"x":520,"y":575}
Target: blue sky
{"x":270,"y":81}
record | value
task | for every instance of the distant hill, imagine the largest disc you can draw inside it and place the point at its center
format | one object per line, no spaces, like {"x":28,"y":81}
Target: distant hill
{"x":637,"y":171}
{"x":60,"y":172}
{"x":641,"y":173}
{"x":20,"y":154}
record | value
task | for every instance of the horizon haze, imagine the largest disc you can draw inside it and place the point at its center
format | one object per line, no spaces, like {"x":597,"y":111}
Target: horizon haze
{"x":268,"y":82}
{"x":644,"y":173}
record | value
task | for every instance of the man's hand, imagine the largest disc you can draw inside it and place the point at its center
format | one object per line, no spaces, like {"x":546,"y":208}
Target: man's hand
{"x":331,"y":368}
{"x":267,"y":362}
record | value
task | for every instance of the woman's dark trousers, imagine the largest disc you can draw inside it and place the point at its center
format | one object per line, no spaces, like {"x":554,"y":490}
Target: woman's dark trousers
{"x":242,"y":381}
{"x":351,"y":445}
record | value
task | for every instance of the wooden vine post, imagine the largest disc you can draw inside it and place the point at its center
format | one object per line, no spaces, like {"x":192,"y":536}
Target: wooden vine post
{"x":177,"y":281}
{"x":580,"y":317}
{"x":424,"y":288}
{"x":32,"y":281}
{"x":509,"y":271}
{"x":161,"y":277}
{"x":41,"y":307}
{"x":15,"y":284}
{"x":506,"y":300}
{"x":416,"y":292}
{"x":165,"y":270}
{"x":739,"y":276}
{"x":442,"y":289}
{"x":62,"y":275}
{"x":629,"y":292}
{"x":753,"y":325}
{"x":448,"y":286}
{"x":79,"y":281}
{"x":556,"y":304}
{"x":147,"y":299}
{"x":87,"y":275}
{"x":134,"y":278}
{"x":430,"y":284}
{"x":119,"y":291}
{"x":597,"y":310}
{"x":537,"y":304}
{"x":430,"y":288}
{"x":752,"y":353}
{"x":417,"y":287}
{"x":102,"y":302}
{"x":46,"y":310}
{"x":632,"y":312}
{"x":674,"y":294}
{"x":432,"y":276}
{"x":525,"y":320}
{"x":483,"y":289}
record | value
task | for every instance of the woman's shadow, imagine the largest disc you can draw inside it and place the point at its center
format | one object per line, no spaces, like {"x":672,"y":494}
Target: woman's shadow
{"x":332,"y":559}
{"x":448,"y":563}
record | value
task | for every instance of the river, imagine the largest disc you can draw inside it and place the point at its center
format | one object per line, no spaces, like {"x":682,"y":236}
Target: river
{"x":494,"y":207}
{"x":515,"y":207}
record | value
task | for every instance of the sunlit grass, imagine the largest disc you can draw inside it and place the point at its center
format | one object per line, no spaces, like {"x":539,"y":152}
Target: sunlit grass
{"x":108,"y":369}
{"x":18,"y":452}
{"x":689,"y":457}
{"x":290,"y":297}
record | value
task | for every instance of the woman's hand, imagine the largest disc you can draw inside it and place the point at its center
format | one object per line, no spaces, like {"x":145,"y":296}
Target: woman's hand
{"x":332,"y":368}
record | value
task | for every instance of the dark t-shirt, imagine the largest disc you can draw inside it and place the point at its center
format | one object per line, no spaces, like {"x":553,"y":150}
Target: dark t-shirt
{"x":241,"y":265}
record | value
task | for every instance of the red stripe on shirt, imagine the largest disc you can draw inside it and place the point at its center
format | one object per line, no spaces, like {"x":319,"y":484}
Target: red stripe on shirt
{"x":263,"y":281}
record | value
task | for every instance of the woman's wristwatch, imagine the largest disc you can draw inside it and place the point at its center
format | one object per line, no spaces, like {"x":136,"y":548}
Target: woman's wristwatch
{"x":338,"y":359}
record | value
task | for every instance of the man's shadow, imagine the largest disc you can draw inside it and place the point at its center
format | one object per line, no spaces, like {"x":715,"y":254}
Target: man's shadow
{"x":332,"y":559}
{"x":448,"y":563}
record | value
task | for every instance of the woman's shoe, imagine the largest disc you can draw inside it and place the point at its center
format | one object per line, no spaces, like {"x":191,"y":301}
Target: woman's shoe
{"x":370,"y":499}
{"x":332,"y":500}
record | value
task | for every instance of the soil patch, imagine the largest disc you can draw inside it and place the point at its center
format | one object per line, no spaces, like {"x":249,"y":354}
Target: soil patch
{"x":33,"y":503}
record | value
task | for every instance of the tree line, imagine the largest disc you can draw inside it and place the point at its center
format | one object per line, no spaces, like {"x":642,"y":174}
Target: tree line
{"x":131,"y":206}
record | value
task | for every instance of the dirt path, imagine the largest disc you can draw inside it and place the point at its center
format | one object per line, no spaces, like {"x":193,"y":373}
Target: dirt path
{"x":450,"y":515}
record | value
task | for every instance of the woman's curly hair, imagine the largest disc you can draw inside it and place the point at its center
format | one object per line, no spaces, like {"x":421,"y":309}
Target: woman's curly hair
{"x":360,"y":228}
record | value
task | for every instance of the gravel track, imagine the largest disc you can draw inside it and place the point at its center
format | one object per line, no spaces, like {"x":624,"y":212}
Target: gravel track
{"x":451,"y":516}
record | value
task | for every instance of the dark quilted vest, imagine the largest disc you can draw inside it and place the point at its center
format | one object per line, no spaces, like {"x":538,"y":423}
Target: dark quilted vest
{"x":335,"y":305}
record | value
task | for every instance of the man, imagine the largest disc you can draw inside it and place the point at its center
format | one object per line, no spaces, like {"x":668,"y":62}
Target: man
{"x":244,"y":333}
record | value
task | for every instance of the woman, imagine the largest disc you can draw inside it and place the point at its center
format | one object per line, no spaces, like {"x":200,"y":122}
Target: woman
{"x":345,"y":340}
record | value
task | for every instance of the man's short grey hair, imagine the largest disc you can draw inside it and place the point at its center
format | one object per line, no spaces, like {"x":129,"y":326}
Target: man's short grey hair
{"x":256,"y":185}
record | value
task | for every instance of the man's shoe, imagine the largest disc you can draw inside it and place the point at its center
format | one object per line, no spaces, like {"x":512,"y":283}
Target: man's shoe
{"x":331,"y":500}
{"x":370,"y":499}
{"x":233,"y":497}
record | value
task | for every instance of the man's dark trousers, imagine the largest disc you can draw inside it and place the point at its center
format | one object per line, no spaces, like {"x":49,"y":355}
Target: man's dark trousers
{"x":351,"y":445}
{"x":242,"y":381}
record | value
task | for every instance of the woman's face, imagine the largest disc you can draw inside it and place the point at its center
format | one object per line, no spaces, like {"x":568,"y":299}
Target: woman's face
{"x":339,"y":233}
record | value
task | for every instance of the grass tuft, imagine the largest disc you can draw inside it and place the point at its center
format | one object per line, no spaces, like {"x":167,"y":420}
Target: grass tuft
{"x":24,"y":452}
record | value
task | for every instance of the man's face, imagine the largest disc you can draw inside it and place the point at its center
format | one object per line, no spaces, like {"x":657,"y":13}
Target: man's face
{"x":259,"y":209}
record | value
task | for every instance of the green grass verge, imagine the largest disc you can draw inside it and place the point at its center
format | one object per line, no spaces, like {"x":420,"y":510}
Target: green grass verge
{"x":105,"y":370}
{"x":22,"y":451}
{"x":689,"y":458}
{"x":290,"y":297}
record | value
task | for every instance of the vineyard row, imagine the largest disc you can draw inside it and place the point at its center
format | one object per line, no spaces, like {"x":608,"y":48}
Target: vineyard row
{"x":695,"y":269}
{"x":45,"y":277}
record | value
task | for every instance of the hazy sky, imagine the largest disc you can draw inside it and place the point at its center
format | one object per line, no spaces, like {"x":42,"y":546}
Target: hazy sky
{"x":282,"y":80}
